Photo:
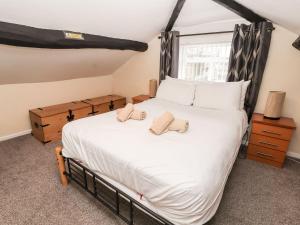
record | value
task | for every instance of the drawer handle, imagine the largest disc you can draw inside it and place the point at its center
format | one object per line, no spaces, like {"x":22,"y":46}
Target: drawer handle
{"x":37,"y":125}
{"x":71,"y":116}
{"x":268,"y":143}
{"x":111,"y":106}
{"x":271,"y":132}
{"x":264,"y":154}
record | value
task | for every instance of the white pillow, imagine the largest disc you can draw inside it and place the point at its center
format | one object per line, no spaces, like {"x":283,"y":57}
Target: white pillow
{"x":186,"y":81}
{"x":180,"y":92}
{"x":243,"y":93}
{"x":168,"y":78}
{"x":218,"y":95}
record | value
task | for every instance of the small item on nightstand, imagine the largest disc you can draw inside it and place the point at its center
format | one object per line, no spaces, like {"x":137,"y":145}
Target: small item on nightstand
{"x":270,"y":139}
{"x":140,"y":98}
{"x":152,"y":88}
{"x":274,"y":105}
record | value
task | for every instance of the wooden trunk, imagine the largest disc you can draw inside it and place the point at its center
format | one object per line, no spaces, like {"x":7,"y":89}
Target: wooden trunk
{"x":106,"y":103}
{"x":47,"y":122}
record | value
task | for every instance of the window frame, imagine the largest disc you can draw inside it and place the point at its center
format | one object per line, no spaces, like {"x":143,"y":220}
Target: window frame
{"x":198,"y":41}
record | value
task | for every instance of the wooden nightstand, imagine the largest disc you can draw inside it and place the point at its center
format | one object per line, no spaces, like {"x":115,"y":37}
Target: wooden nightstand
{"x":140,"y":98}
{"x":270,"y":139}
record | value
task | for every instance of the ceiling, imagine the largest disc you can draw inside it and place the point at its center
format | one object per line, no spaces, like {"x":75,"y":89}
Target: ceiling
{"x":196,"y":12}
{"x":283,"y":12}
{"x":139,"y":20}
{"x":32,"y":65}
{"x":132,"y":19}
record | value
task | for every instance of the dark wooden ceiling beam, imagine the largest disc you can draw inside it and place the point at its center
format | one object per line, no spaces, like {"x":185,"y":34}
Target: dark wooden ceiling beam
{"x":296,"y":43}
{"x":174,"y":15}
{"x":241,"y":10}
{"x":25,"y":36}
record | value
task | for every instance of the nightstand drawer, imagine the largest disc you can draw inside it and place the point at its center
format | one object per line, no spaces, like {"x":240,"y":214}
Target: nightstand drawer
{"x":266,"y":153}
{"x":263,"y":160}
{"x":272,"y":131}
{"x":137,"y":101}
{"x":140,"y":98}
{"x":268,"y":142}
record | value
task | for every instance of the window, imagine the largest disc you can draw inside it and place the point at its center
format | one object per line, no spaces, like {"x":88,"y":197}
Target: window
{"x":204,"y":61}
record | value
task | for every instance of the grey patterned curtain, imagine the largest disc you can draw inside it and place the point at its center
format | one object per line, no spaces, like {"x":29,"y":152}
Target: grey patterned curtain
{"x":248,"y":57}
{"x":169,"y":54}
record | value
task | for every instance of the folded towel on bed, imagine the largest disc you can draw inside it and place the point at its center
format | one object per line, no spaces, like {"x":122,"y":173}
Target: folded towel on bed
{"x":161,"y":124}
{"x":119,"y":110}
{"x":135,"y":114}
{"x":138,"y":115}
{"x":179,"y":125}
{"x":125,"y":113}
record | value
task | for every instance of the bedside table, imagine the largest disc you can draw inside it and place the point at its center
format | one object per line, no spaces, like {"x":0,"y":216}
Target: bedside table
{"x":270,"y":139}
{"x":140,"y":98}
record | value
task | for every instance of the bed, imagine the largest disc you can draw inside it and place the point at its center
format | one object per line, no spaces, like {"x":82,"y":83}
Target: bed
{"x":180,"y":177}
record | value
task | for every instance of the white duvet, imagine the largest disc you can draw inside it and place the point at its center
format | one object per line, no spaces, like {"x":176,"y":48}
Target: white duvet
{"x":181,"y":176}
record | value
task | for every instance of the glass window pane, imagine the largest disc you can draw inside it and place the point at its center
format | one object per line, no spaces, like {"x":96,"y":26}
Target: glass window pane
{"x":204,"y":61}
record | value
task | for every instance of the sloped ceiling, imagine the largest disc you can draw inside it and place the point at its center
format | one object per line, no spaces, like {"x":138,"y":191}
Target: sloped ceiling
{"x":195,"y":12}
{"x":138,"y":20}
{"x":133,"y":19}
{"x":32,"y":65}
{"x":283,"y":12}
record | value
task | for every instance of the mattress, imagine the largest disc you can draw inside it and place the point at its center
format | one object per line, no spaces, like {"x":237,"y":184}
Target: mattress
{"x":180,"y":175}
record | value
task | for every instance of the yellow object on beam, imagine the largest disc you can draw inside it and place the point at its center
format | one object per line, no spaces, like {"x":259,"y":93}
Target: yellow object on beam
{"x":75,"y":36}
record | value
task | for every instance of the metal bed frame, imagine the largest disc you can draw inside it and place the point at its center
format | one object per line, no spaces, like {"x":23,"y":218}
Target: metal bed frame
{"x":96,"y":185}
{"x":91,"y":183}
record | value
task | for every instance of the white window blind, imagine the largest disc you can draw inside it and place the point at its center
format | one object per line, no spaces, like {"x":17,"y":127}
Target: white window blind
{"x":204,"y":61}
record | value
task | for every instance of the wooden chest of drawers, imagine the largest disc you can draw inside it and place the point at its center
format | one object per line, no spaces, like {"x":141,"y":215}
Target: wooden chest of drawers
{"x":106,"y":103}
{"x":270,"y":139}
{"x":47,"y":122}
{"x":140,"y":98}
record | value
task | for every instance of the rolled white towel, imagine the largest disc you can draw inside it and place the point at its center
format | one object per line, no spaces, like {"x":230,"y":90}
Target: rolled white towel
{"x":161,"y":124}
{"x":179,"y":125}
{"x":138,"y":115}
{"x":125,"y":113}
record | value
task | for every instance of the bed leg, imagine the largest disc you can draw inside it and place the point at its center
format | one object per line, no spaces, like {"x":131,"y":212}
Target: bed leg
{"x":61,"y":166}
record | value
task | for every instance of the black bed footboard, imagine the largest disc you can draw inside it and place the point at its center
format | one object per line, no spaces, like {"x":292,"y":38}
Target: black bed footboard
{"x":124,"y":206}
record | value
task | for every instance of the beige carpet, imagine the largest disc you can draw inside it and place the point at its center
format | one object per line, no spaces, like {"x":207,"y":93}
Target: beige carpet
{"x":30,"y":192}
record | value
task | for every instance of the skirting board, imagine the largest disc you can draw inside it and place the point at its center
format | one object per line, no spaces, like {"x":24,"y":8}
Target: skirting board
{"x":293,"y":155}
{"x":14,"y":135}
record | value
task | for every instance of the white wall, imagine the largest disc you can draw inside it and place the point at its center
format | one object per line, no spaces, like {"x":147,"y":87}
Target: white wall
{"x":132,"y":78}
{"x":282,"y":72}
{"x":17,"y":99}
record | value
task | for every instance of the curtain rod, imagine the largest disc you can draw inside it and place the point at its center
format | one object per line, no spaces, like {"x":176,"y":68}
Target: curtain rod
{"x":198,"y":34}
{"x":218,"y":32}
